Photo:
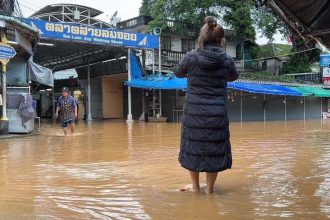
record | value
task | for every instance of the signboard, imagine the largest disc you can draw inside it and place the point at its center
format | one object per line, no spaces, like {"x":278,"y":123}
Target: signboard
{"x":6,"y":52}
{"x":325,"y":68}
{"x":89,"y":34}
{"x":325,"y":60}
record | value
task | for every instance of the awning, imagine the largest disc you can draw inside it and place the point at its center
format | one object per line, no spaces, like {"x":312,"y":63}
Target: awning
{"x":170,"y":84}
{"x":40,"y":74}
{"x":161,"y":82}
{"x":263,"y":89}
{"x":309,"y":18}
{"x":302,"y":91}
{"x":318,"y":92}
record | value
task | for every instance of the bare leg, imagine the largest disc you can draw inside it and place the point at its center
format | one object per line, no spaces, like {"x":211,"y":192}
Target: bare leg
{"x":72,"y":128}
{"x":195,"y":181}
{"x":65,"y":130}
{"x":210,"y":180}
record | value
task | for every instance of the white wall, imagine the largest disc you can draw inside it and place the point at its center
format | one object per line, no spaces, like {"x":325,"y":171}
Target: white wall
{"x":176,"y":43}
{"x":230,"y":48}
{"x":177,"y":47}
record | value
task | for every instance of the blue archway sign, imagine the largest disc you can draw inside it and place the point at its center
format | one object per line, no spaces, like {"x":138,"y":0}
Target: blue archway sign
{"x":89,"y":34}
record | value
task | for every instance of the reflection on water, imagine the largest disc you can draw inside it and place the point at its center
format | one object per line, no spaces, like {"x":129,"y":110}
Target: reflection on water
{"x":111,"y":170}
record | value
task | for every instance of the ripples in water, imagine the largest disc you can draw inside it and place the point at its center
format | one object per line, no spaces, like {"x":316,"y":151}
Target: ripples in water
{"x":85,"y":191}
{"x":115,"y":171}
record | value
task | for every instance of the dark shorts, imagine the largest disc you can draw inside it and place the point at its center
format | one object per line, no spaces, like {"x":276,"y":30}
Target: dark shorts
{"x":66,"y":123}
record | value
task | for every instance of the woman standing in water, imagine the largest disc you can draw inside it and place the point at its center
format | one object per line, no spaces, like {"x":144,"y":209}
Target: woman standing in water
{"x":205,"y":144}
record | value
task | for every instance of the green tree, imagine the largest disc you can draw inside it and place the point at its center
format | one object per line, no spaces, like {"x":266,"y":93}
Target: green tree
{"x":236,"y":14}
{"x":242,"y":16}
{"x":145,"y":7}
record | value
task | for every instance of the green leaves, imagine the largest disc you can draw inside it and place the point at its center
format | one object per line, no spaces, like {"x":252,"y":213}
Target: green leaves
{"x":238,"y":17}
{"x":236,"y":14}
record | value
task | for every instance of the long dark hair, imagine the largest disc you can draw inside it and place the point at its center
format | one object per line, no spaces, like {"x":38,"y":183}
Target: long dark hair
{"x":211,"y":32}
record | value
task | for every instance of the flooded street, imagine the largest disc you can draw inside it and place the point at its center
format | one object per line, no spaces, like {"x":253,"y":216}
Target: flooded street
{"x":109,"y":170}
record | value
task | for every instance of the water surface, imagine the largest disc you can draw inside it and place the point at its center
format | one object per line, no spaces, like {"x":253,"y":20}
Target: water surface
{"x":110,"y":170}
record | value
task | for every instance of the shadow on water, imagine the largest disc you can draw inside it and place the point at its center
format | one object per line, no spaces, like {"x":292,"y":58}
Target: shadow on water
{"x":114,"y":170}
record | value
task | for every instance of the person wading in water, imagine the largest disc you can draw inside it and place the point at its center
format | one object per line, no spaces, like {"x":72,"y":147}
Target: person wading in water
{"x":205,"y":144}
{"x":68,"y":107}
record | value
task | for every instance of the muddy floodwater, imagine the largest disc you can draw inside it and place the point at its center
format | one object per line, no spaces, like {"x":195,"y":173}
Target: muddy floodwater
{"x":110,"y":170}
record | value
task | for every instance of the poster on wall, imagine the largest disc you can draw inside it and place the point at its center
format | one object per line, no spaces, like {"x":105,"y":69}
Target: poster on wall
{"x":325,"y":68}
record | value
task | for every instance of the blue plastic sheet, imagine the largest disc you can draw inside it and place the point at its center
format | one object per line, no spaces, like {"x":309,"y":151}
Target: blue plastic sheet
{"x":171,"y":84}
{"x":264,"y":89}
{"x":136,"y":68}
{"x":168,"y":82}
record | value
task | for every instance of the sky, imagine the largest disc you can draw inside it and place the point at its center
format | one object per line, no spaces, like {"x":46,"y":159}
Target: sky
{"x":126,"y":9}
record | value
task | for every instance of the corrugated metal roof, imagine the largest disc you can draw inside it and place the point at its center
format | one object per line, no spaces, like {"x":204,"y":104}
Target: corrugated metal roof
{"x":311,"y":18}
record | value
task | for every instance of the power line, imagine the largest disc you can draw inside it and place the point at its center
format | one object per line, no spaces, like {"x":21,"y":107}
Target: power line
{"x":27,"y":7}
{"x":284,"y":55}
{"x":30,"y":4}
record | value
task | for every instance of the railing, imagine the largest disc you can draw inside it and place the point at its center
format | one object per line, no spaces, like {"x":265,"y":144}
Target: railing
{"x":307,"y":77}
{"x":170,"y":56}
{"x":134,"y":22}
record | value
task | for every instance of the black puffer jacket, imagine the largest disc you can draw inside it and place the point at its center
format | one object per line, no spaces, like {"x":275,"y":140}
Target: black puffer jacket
{"x":205,"y":144}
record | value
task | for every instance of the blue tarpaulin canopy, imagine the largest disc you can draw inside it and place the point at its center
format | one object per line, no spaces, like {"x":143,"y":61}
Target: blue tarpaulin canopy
{"x":171,"y":82}
{"x":264,"y":89}
{"x":175,"y":83}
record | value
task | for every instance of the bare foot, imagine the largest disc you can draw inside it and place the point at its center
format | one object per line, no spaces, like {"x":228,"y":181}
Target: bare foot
{"x":188,"y":188}
{"x":203,"y":188}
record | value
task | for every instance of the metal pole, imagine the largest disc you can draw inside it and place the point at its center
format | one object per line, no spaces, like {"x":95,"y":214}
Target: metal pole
{"x":241,"y":107}
{"x":321,"y":109}
{"x":153,"y":61}
{"x":160,"y":103}
{"x":4,"y":97}
{"x":285,"y":108}
{"x":153,"y":103}
{"x":53,"y":100}
{"x":160,"y":56}
{"x":264,"y":107}
{"x":129,"y":115}
{"x":243,"y":57}
{"x":89,"y":113}
{"x":304,"y":109}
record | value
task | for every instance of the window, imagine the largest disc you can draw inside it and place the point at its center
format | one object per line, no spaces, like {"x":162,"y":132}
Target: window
{"x":166,"y":43}
{"x":187,"y":45}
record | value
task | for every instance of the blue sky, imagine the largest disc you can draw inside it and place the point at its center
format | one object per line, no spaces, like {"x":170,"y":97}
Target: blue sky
{"x":126,"y":9}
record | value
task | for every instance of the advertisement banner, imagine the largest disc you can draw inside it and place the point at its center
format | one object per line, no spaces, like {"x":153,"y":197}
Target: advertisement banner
{"x":325,"y":68}
{"x":89,"y":34}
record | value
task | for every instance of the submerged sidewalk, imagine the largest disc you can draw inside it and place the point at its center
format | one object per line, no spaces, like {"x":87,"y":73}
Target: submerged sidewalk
{"x":10,"y":136}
